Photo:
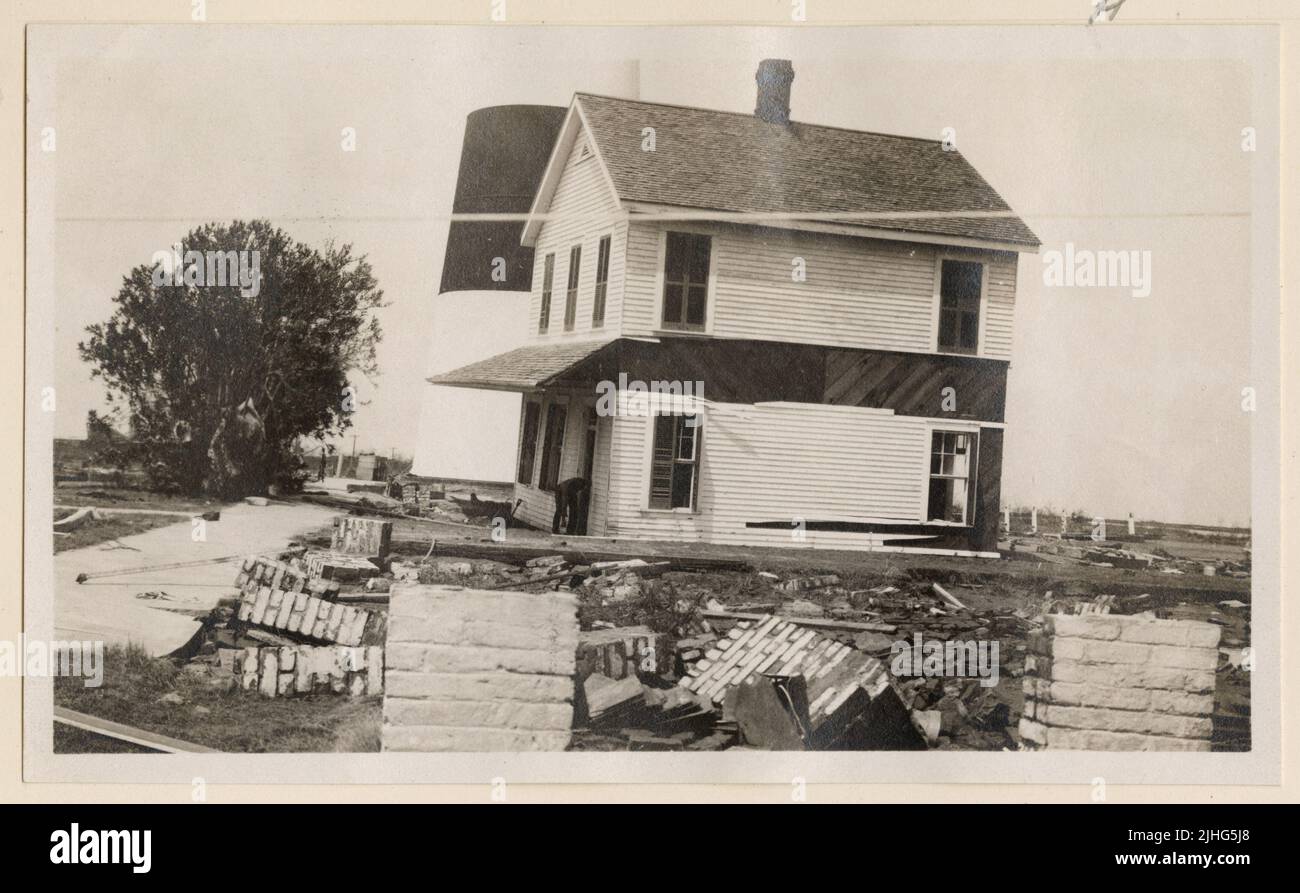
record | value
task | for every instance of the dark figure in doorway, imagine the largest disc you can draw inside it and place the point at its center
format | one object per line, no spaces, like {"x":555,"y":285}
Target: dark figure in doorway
{"x":570,"y":499}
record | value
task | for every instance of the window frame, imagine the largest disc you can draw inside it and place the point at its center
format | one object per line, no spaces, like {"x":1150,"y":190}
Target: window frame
{"x":542,"y":477}
{"x":548,"y":287}
{"x":571,"y":283}
{"x":604,"y":248}
{"x":971,"y":477}
{"x":662,"y":284}
{"x":981,"y":306}
{"x":527,"y":444}
{"x":679,"y":420}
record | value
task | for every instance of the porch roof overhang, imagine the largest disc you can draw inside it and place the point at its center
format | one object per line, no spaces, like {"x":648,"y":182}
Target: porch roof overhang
{"x":527,"y":368}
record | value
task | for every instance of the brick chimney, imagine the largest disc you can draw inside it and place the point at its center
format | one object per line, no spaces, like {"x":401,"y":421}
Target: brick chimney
{"x":774,"y":77}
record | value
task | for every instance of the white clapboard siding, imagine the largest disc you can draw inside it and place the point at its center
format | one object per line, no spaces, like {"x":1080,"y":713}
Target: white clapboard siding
{"x":583,"y":210}
{"x":780,"y":462}
{"x":863,"y":293}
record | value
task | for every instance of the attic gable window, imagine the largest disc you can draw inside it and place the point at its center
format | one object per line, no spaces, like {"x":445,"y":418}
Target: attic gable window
{"x":960,"y":285}
{"x":686,"y":280}
{"x":951,"y":462}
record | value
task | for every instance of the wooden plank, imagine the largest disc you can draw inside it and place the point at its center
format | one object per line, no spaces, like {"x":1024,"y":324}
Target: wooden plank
{"x":139,"y":737}
{"x":816,"y":622}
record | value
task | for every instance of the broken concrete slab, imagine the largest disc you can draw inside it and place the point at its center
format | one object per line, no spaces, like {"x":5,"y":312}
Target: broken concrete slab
{"x":611,"y":701}
{"x":771,"y":712}
{"x":479,"y":670}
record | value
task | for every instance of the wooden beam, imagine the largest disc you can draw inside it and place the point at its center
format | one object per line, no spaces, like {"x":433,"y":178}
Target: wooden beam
{"x":116,"y":730}
{"x":815,"y":622}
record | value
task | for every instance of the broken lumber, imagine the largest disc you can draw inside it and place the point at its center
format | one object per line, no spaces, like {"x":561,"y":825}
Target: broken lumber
{"x":816,"y":622}
{"x":948,"y":597}
{"x":120,"y":732}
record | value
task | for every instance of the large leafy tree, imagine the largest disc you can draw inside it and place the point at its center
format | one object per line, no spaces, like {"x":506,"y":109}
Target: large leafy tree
{"x":218,"y":381}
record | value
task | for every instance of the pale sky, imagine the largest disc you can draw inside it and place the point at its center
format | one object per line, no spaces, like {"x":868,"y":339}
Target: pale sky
{"x":1122,"y":140}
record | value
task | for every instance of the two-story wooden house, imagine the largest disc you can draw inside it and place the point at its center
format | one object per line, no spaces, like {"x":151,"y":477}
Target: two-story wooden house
{"x":810,"y":329}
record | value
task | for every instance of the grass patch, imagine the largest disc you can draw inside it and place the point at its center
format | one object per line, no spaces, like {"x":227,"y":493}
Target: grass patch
{"x":111,"y":527}
{"x":233,"y":721}
{"x":126,"y":498}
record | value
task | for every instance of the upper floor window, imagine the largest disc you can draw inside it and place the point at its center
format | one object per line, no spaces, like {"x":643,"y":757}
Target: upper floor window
{"x":602,"y":284}
{"x":686,"y":280}
{"x":571,"y":294}
{"x":548,"y":280}
{"x":960,"y":284}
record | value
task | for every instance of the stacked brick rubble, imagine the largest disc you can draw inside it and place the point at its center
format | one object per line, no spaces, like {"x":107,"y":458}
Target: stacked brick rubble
{"x":358,"y":550}
{"x":1113,"y":682}
{"x":304,"y":669}
{"x":617,"y":653}
{"x":282,"y":597}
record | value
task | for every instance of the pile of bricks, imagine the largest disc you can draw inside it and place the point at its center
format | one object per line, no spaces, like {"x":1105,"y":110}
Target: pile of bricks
{"x":367,"y":537}
{"x":358,"y":550}
{"x":617,"y":653}
{"x":1115,"y":682}
{"x":279,"y":596}
{"x":844,"y":687}
{"x":338,"y":567}
{"x":304,"y":669}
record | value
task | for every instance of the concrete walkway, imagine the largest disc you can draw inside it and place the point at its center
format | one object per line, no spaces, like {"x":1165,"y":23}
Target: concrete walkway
{"x":108,"y":609}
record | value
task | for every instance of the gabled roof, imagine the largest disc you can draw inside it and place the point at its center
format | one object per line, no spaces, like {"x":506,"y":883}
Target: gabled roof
{"x":524,"y":368}
{"x":740,"y":164}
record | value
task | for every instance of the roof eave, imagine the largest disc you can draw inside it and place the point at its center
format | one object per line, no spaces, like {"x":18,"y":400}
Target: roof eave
{"x":574,"y":122}
{"x":777,"y":221}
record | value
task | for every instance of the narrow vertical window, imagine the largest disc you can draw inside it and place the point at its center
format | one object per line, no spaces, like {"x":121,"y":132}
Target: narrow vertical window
{"x":548,"y":281}
{"x":960,"y":284}
{"x":553,"y":445}
{"x":602,"y":284}
{"x":951,"y":462}
{"x":571,"y":295}
{"x":528,"y":444}
{"x":686,"y":280}
{"x":674,"y":462}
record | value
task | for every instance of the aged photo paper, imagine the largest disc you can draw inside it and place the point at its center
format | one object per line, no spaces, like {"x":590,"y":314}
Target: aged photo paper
{"x":433,"y":403}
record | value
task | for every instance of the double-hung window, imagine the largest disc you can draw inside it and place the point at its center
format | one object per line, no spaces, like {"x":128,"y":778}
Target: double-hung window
{"x":960,"y":285}
{"x":952,"y":467}
{"x":548,"y":281}
{"x":675,"y":461}
{"x":602,"y":284}
{"x":571,"y":295}
{"x":686,"y":280}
